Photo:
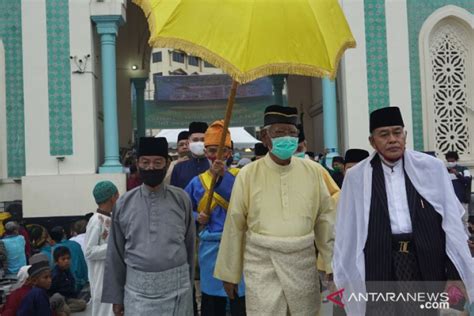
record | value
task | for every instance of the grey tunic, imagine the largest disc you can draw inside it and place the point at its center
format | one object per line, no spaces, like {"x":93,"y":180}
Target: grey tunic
{"x":151,"y":232}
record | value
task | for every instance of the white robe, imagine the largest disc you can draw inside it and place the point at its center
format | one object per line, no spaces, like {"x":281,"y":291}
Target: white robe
{"x":430,"y":178}
{"x":95,"y":244}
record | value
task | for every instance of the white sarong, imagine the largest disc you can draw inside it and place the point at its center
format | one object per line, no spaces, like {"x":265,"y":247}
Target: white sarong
{"x":281,"y":276}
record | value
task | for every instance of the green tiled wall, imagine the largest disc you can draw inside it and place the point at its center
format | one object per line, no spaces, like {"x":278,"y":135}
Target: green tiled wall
{"x":11,"y":35}
{"x":59,"y":77}
{"x":376,"y":46}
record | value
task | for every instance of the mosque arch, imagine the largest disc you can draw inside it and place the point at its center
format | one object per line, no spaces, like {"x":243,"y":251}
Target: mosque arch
{"x":446,"y":44}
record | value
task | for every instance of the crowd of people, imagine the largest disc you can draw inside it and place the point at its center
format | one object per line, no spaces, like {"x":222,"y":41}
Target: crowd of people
{"x":274,"y":229}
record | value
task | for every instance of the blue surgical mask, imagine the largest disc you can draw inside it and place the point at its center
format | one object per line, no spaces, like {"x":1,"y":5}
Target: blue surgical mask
{"x":300,"y":155}
{"x":284,"y":147}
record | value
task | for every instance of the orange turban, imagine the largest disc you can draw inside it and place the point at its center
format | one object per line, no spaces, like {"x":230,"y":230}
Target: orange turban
{"x":214,"y":133}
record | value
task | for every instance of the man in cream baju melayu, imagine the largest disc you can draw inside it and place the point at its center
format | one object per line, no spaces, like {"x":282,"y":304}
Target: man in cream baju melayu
{"x":279,"y":210}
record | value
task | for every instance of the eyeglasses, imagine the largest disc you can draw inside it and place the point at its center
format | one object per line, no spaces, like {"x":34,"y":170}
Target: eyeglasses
{"x":385,"y":133}
{"x":282,"y":133}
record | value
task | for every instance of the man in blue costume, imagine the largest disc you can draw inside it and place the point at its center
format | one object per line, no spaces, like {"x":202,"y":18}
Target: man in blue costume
{"x":183,"y":172}
{"x":214,"y":296}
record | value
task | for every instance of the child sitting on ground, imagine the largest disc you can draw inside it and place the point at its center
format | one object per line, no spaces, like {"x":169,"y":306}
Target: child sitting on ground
{"x":36,"y":301}
{"x":63,"y":281}
{"x":15,"y":298}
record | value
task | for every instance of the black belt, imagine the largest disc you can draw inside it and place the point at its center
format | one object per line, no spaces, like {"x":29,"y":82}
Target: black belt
{"x":403,"y":243}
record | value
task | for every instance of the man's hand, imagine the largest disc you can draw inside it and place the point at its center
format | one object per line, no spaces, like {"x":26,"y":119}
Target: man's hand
{"x":203,"y":218}
{"x":231,"y":289}
{"x":452,"y":170}
{"x":118,"y":309}
{"x":218,"y":168}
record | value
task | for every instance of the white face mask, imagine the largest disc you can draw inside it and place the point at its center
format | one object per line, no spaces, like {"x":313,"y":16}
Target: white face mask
{"x":451,"y":164}
{"x":197,"y":148}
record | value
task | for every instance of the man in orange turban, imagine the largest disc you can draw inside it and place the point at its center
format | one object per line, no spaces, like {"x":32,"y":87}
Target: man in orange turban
{"x":214,"y":296}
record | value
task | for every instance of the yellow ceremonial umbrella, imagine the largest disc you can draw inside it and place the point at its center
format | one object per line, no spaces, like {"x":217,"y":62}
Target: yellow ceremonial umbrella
{"x":249,"y":39}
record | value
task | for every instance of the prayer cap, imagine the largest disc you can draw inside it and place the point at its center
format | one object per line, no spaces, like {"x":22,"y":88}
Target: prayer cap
{"x":38,"y":258}
{"x":103,"y":191}
{"x":355,"y":155}
{"x":260,"y":149}
{"x":39,"y":263}
{"x":280,"y":114}
{"x":153,"y":146}
{"x":388,"y":116}
{"x":301,"y":137}
{"x":197,"y":127}
{"x":11,"y":226}
{"x":214,"y":133}
{"x":183,"y":135}
{"x":338,"y":159}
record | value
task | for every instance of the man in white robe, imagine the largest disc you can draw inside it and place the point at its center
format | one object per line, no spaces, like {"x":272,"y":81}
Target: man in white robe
{"x":398,"y":221}
{"x":95,"y":244}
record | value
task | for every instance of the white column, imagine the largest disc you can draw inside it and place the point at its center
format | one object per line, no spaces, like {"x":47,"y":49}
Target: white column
{"x":353,"y":81}
{"x":398,"y":57}
{"x":35,"y":87}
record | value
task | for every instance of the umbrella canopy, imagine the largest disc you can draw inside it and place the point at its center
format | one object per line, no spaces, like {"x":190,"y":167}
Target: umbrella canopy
{"x":252,"y":39}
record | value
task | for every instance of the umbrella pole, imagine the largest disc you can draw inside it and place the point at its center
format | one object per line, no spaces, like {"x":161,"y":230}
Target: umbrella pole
{"x":228,"y":115}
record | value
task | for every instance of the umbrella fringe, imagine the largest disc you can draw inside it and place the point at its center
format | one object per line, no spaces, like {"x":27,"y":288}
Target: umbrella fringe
{"x":245,"y":77}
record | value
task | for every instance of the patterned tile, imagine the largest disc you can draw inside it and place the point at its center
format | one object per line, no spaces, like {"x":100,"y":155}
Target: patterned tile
{"x":418,"y":12}
{"x":376,"y":46}
{"x":59,"y":77}
{"x":11,"y":35}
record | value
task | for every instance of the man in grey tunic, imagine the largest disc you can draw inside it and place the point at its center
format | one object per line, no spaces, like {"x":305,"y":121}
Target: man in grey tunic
{"x":150,"y":254}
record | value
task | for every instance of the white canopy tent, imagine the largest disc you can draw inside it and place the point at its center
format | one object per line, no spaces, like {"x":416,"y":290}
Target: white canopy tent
{"x":241,"y":138}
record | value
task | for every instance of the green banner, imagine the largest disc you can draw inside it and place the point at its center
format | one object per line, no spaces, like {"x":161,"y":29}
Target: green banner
{"x":172,"y":114}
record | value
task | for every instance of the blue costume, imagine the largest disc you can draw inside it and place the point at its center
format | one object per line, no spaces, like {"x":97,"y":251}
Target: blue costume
{"x":210,"y":236}
{"x":185,"y":171}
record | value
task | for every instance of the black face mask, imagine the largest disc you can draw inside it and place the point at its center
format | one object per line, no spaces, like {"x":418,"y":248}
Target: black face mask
{"x":153,"y":177}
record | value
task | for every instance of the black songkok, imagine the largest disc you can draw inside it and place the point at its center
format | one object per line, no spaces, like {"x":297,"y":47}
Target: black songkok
{"x":197,"y":127}
{"x":153,"y":146}
{"x":260,"y":149}
{"x":183,"y":135}
{"x":355,"y":155}
{"x":280,"y":114}
{"x":389,"y":116}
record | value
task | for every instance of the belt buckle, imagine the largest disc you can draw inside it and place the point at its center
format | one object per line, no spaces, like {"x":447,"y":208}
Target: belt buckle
{"x":403,"y":247}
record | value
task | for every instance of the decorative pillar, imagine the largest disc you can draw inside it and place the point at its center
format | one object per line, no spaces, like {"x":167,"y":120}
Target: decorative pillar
{"x":107,"y":27}
{"x":278,"y":82}
{"x":330,"y":118}
{"x":140,"y":85}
